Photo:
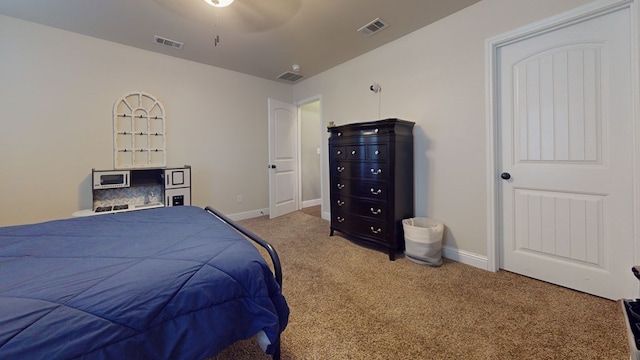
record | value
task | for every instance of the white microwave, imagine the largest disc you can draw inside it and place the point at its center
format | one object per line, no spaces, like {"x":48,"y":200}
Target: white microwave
{"x":111,"y":179}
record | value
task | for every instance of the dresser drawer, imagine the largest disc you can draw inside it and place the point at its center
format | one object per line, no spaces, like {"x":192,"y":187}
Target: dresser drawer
{"x":348,"y":152}
{"x":376,"y":230}
{"x":373,"y":190}
{"x":355,"y":152}
{"x":337,"y":153}
{"x":358,"y":152}
{"x":360,"y":170}
{"x":377,"y":152}
{"x":364,"y":131}
{"x":372,"y":209}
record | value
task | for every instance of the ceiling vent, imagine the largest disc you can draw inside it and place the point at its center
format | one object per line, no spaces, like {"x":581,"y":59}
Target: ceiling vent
{"x":373,"y":27}
{"x":166,"y":42}
{"x":290,"y":76}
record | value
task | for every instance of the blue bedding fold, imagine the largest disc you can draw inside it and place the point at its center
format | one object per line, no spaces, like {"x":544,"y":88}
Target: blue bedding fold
{"x":167,"y":283}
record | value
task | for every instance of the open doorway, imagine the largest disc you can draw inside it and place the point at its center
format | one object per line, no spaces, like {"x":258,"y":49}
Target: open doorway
{"x":310,"y":154}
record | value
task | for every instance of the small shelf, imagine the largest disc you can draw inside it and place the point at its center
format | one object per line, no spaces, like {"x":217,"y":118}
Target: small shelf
{"x":88,"y":212}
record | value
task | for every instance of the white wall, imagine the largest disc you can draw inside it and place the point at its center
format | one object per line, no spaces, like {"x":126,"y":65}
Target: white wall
{"x":57,"y":91}
{"x":435,"y":77}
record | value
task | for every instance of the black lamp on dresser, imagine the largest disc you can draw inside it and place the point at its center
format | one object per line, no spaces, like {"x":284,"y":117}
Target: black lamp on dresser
{"x":371,"y":180}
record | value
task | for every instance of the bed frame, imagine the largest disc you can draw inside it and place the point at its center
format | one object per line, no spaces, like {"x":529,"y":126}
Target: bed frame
{"x":275,"y":260}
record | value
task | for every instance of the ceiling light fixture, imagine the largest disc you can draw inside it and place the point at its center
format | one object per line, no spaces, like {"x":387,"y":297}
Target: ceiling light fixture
{"x":219,"y":3}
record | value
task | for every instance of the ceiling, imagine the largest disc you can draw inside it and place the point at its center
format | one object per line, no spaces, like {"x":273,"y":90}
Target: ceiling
{"x":264,"y":38}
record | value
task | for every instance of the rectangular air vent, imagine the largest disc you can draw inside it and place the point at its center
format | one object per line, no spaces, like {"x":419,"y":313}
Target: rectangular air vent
{"x":290,"y":76}
{"x":373,"y":27}
{"x":166,"y":42}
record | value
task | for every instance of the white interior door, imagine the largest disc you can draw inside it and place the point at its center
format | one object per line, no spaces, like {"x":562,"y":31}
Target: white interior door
{"x":283,"y":158}
{"x":566,"y":141}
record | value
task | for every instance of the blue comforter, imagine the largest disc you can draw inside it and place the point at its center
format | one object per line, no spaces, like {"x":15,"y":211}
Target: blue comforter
{"x":168,"y":283}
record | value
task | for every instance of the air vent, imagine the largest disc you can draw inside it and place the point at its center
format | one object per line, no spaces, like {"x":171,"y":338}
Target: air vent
{"x":166,"y":42}
{"x":373,"y":27}
{"x":290,"y":76}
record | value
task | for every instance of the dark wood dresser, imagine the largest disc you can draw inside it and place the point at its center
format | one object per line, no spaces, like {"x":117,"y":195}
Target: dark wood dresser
{"x":371,"y":181}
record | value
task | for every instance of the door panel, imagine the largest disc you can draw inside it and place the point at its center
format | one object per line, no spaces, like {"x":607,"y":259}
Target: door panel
{"x":565,"y":128}
{"x":283,"y":158}
{"x":556,"y":96}
{"x":561,"y":225}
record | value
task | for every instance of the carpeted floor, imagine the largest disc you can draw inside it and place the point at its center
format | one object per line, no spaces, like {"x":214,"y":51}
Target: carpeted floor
{"x":313,"y":210}
{"x":350,"y":302}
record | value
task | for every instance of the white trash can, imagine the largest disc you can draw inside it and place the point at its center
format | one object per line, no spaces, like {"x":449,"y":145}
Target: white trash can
{"x":423,"y":240}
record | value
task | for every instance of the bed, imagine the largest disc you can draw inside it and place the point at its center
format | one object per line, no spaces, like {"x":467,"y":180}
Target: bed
{"x":168,"y":283}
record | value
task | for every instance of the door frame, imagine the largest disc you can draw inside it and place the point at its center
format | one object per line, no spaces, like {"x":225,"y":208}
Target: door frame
{"x":492,"y":46}
{"x":298,"y":148}
{"x":298,"y":106}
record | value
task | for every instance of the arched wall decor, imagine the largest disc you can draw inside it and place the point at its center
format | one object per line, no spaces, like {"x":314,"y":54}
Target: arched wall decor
{"x":139,"y":137}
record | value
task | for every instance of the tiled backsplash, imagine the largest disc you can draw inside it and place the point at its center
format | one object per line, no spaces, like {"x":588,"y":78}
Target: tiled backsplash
{"x":138,"y":195}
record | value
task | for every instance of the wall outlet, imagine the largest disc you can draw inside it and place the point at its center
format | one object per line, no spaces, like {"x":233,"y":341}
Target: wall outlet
{"x":239,"y":198}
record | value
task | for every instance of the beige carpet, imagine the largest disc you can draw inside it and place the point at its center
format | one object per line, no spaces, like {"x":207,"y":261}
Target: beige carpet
{"x":313,"y":210}
{"x":350,"y":302}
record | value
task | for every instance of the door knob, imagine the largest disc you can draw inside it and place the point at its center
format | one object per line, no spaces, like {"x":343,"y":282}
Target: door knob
{"x":271,"y":166}
{"x":505,"y":176}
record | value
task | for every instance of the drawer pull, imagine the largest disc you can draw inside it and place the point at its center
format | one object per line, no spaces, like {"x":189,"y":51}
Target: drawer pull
{"x":376,"y":192}
{"x":340,"y":219}
{"x":341,"y":186}
{"x":376,"y":131}
{"x":376,"y":172}
{"x":376,"y":231}
{"x":339,"y":152}
{"x":376,"y":212}
{"x":340,"y":169}
{"x":340,"y":202}
{"x":377,"y":152}
{"x":339,"y":134}
{"x":353,"y":152}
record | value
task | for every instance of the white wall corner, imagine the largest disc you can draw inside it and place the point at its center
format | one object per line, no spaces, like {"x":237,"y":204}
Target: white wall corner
{"x":248,"y":214}
{"x":309,"y":203}
{"x":465,"y":257}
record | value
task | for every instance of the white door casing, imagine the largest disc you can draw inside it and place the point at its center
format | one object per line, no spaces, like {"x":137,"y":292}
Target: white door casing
{"x":563,"y":118}
{"x":283,"y":158}
{"x":300,"y":105}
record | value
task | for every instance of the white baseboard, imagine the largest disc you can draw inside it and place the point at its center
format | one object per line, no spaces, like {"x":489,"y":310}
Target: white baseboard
{"x":465,"y":257}
{"x":248,"y":214}
{"x":309,"y":203}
